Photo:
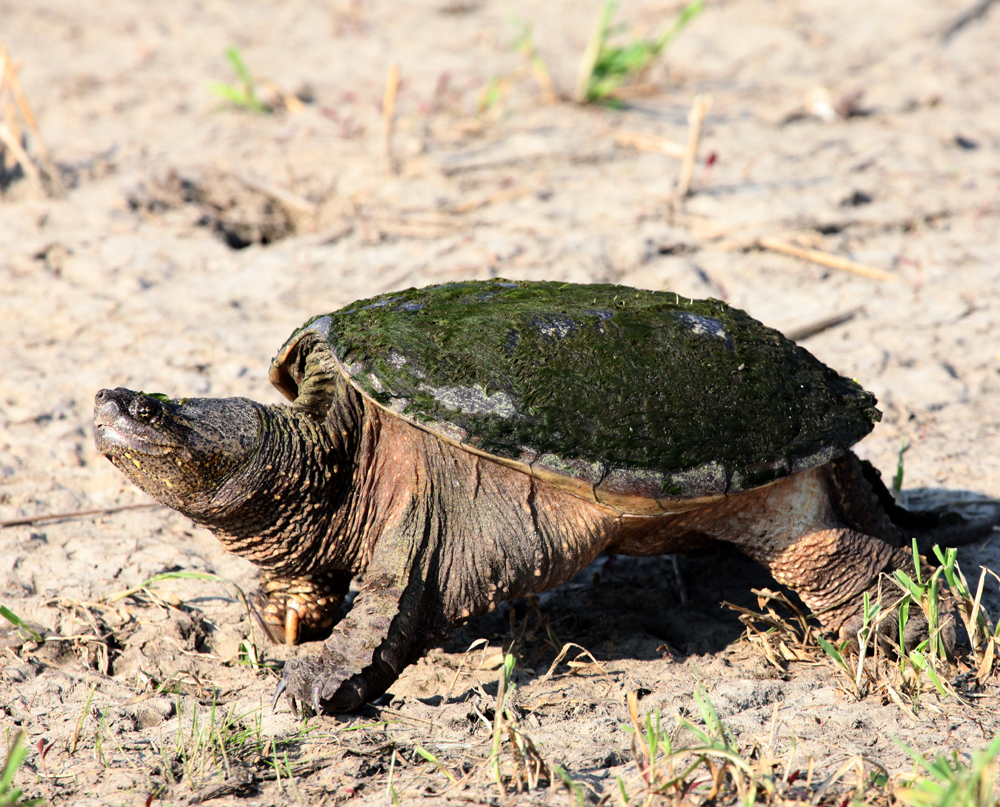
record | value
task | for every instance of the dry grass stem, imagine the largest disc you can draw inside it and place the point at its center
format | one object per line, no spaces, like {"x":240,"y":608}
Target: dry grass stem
{"x":42,"y":174}
{"x":388,"y":116}
{"x":292,"y":201}
{"x":101,"y":511}
{"x":648,"y":142}
{"x":588,"y":61}
{"x":825,"y":259}
{"x":813,"y":328}
{"x":696,"y":119}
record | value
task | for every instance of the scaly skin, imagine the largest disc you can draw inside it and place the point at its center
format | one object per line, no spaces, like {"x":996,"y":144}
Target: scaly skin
{"x":336,"y":487}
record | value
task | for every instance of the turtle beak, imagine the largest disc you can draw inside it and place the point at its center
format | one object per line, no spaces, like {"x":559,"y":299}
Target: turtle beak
{"x":125,"y":421}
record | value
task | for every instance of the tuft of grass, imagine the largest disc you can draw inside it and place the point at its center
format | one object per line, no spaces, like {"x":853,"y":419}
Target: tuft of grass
{"x":868,"y":664}
{"x":869,"y":621}
{"x":208,"y":746}
{"x":10,"y":795}
{"x":950,"y":781}
{"x":524,"y":41}
{"x":529,"y":768}
{"x":243,"y":94}
{"x":713,"y":769}
{"x":605,"y":67}
{"x":678,"y":772}
{"x":579,"y":794}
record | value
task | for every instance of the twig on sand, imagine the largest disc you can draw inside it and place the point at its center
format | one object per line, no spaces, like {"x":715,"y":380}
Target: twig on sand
{"x":825,"y":259}
{"x":820,"y":325}
{"x":290,"y":200}
{"x":101,"y":511}
{"x":648,"y":142}
{"x":971,"y":14}
{"x":388,"y":115}
{"x":696,"y":118}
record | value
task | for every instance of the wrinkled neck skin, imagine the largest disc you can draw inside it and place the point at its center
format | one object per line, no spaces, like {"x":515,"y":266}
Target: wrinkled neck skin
{"x":289,"y":509}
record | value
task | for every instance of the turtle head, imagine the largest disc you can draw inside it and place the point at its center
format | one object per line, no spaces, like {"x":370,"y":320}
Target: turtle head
{"x":184,"y":453}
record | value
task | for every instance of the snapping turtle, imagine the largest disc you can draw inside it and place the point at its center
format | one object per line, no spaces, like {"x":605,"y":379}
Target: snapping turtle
{"x":465,"y":444}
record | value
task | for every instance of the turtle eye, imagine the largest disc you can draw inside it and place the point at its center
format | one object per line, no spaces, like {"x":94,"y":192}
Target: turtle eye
{"x":145,"y":409}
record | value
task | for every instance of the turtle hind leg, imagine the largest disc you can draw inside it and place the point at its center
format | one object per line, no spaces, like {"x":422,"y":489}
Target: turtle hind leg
{"x":803,"y":533}
{"x":291,"y":610}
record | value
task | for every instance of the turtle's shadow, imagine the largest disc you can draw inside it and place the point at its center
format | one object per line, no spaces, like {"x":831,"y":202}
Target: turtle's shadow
{"x":637,"y":608}
{"x":641,"y":608}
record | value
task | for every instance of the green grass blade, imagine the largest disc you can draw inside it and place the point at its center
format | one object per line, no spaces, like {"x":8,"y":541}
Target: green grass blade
{"x":19,"y":623}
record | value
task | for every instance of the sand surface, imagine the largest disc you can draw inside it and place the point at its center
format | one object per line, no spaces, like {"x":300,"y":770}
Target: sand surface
{"x":131,"y":278}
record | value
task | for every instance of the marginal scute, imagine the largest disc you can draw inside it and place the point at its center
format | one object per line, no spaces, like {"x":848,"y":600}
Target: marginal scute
{"x":586,"y":471}
{"x":705,"y":480}
{"x":645,"y":401}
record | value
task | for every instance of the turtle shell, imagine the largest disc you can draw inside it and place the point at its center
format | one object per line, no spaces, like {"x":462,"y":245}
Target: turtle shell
{"x":642,"y":400}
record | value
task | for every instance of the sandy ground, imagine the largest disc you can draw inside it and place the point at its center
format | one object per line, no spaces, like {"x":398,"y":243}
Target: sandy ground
{"x":127,"y":279}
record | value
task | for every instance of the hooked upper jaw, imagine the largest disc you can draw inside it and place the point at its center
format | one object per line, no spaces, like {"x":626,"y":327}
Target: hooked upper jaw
{"x":124,"y":422}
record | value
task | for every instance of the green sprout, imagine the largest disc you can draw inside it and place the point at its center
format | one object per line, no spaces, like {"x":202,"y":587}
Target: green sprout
{"x":606,"y":67}
{"x":244,"y":93}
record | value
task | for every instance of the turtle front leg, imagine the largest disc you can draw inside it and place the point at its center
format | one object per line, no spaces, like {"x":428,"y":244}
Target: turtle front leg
{"x":295,"y":609}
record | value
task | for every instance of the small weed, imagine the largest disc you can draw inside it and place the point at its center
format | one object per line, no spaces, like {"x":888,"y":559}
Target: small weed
{"x":605,"y":68}
{"x":11,"y":796}
{"x":524,"y":41}
{"x":897,"y":480}
{"x":529,"y":766}
{"x":244,"y":93}
{"x":434,"y":761}
{"x":949,"y":781}
{"x":577,"y":791}
{"x":672,"y":771}
{"x":22,"y":626}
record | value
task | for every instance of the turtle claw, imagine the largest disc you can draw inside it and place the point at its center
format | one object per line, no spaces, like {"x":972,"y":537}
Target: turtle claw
{"x":282,"y":686}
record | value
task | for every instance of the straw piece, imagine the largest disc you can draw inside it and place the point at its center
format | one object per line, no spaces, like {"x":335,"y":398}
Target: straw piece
{"x":696,"y":117}
{"x":648,"y":142}
{"x":290,"y":200}
{"x":39,"y":168}
{"x":12,"y":142}
{"x":813,"y":328}
{"x":590,"y":54}
{"x":825,"y":259}
{"x":388,"y":114}
{"x":103,"y":511}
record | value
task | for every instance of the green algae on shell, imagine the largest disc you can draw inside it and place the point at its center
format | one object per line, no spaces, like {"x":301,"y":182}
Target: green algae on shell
{"x":643,"y":400}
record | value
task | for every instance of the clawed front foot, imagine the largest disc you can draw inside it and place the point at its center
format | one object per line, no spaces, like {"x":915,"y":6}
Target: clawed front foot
{"x":328,"y":685}
{"x":303,"y":681}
